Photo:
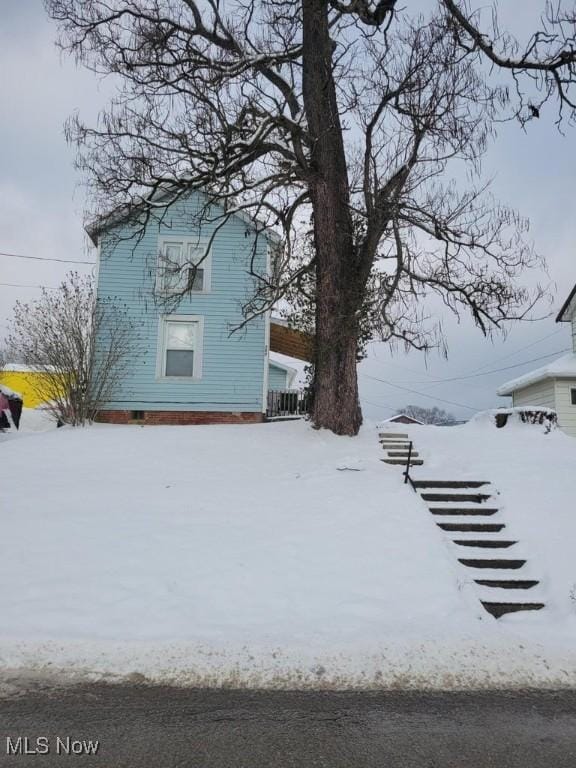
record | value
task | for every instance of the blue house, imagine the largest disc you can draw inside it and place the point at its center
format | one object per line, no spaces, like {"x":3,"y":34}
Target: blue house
{"x":184,"y":274}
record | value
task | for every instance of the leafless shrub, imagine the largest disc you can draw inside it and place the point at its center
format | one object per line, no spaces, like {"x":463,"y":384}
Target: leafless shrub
{"x":80,"y":343}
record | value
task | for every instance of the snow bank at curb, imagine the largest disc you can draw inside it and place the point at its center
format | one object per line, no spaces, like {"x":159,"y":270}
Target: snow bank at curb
{"x":470,"y":665}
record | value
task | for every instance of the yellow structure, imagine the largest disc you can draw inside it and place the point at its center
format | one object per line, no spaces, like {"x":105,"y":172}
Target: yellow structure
{"x":28,"y":382}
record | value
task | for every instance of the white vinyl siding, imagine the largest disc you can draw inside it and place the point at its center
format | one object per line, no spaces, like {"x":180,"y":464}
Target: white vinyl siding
{"x":183,"y":265}
{"x":540,"y":394}
{"x":566,"y":411}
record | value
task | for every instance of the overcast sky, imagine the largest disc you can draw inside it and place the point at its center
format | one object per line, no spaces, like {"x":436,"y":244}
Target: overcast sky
{"x":41,"y":214}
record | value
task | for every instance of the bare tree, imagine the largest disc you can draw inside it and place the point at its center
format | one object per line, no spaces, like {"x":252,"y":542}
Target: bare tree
{"x":434,"y":415}
{"x":82,"y":346}
{"x":344,"y":115}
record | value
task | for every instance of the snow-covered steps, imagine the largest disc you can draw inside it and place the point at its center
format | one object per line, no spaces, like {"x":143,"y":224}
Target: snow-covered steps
{"x":472,"y":511}
{"x":500,"y":609}
{"x":472,"y":527}
{"x":474,"y":498}
{"x":494,"y":563}
{"x":477,"y":543}
{"x":399,"y":447}
{"x":485,"y":543}
{"x":450,"y":483}
{"x":507,"y":583}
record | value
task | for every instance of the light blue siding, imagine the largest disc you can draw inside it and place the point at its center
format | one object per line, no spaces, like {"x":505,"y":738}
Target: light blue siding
{"x":277,"y":377}
{"x":233,"y":363}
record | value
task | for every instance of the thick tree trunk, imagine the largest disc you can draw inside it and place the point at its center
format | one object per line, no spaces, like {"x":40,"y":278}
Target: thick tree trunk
{"x":339,"y":284}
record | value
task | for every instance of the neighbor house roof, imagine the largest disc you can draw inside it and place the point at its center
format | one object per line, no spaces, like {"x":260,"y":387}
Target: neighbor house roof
{"x":562,"y":368}
{"x":568,"y":308}
{"x":399,"y":416}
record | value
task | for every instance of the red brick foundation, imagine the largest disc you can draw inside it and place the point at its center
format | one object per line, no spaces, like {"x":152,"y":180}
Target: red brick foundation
{"x":180,"y":417}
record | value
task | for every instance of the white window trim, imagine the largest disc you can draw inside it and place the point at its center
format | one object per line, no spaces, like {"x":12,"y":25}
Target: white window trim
{"x":186,"y":242}
{"x":161,"y":353}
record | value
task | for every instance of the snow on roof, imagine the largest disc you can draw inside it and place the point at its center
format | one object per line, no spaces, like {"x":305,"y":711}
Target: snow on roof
{"x":21,"y":368}
{"x":156,"y":200}
{"x":568,"y":308}
{"x":400,"y":416}
{"x":563,"y":367}
{"x":7,"y":392}
{"x":295,"y":368}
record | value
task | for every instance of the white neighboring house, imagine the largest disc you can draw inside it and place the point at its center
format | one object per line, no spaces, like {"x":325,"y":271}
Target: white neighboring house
{"x":553,"y":385}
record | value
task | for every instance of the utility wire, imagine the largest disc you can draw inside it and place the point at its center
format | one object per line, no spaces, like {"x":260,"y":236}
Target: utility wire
{"x":422,"y":394}
{"x":495,"y":370}
{"x":521,"y":349}
{"x":46,"y":258}
{"x":20,"y":285}
{"x":378,"y":405}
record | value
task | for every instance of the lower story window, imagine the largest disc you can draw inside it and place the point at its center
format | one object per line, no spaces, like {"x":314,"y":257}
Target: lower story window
{"x":573,"y":395}
{"x":181,"y":347}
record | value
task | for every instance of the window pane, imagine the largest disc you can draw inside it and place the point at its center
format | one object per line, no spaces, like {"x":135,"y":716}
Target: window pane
{"x":198,"y":284}
{"x":573,"y":396}
{"x":179,"y":362}
{"x":173,"y":253}
{"x":172,"y":258}
{"x":180,"y":335}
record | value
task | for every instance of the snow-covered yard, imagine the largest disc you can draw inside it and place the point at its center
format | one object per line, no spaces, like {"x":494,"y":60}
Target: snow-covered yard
{"x":276,"y":555}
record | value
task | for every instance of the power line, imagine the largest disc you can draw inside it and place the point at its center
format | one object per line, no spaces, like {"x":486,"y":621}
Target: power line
{"x":422,"y":394}
{"x":511,"y":354}
{"x":502,"y":357}
{"x":378,"y":405}
{"x":46,"y":258}
{"x":20,"y":285}
{"x":495,"y":370}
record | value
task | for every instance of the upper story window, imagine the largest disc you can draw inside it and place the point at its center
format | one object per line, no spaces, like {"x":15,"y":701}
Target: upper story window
{"x":184,"y":266}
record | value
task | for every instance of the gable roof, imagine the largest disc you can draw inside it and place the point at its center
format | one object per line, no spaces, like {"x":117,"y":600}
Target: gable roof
{"x":402,"y":416}
{"x":568,"y":308}
{"x":562,"y":368}
{"x":103,"y":222}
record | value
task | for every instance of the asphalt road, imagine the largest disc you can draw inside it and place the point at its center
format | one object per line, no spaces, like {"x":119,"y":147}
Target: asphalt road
{"x":145,"y":727}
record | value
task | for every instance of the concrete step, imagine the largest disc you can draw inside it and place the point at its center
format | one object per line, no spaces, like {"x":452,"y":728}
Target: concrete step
{"x":508,"y":583}
{"x":484,"y":543}
{"x":494,"y":564}
{"x":402,"y":462}
{"x":475,"y":498}
{"x":450,"y":483}
{"x":472,"y":527}
{"x":500,"y":609}
{"x":403,"y":454}
{"x":394,"y":444}
{"x":392,"y":434}
{"x":472,"y":511}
